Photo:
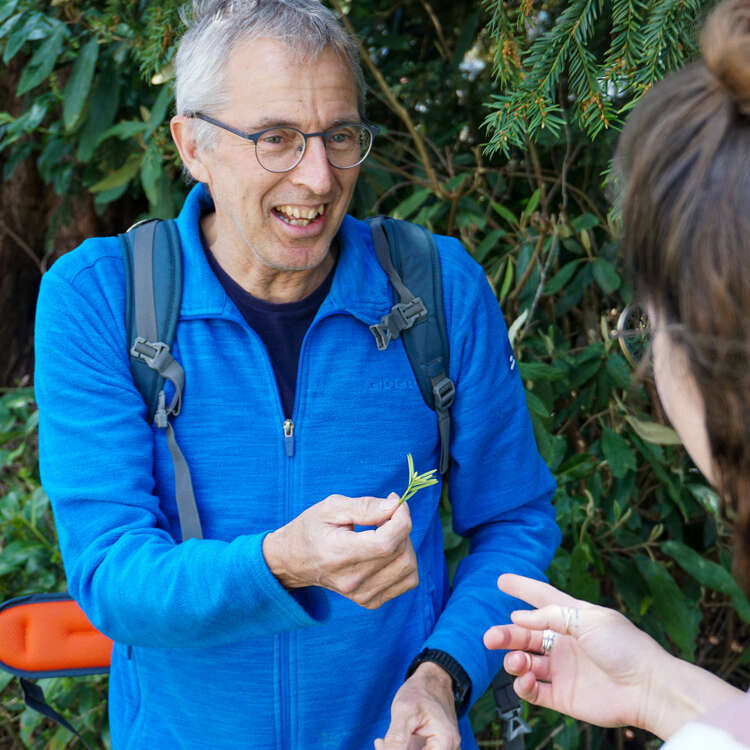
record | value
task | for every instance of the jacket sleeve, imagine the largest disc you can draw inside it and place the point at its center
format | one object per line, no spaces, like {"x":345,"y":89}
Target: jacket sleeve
{"x":135,"y":583}
{"x":500,"y":489}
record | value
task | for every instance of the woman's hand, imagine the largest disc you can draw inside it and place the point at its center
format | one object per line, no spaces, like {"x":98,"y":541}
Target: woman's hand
{"x":601,"y":668}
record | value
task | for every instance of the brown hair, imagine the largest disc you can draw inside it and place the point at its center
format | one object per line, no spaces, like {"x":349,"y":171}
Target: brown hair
{"x":683,"y":161}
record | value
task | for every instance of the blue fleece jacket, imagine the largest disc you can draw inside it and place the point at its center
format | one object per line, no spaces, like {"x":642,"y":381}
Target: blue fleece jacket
{"x":210,"y":650}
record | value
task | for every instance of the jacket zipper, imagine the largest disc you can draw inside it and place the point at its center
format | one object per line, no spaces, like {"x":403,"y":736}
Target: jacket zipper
{"x":288,"y":427}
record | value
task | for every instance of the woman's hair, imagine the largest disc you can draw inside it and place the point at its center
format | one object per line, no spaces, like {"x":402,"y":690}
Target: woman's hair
{"x":213,"y":28}
{"x":683,"y":165}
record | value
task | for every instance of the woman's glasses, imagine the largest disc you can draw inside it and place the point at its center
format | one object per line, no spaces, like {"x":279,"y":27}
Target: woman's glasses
{"x":634,"y":336}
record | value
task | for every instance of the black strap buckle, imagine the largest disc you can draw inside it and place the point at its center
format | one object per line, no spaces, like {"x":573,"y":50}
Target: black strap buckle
{"x":403,"y":315}
{"x":444,"y":392}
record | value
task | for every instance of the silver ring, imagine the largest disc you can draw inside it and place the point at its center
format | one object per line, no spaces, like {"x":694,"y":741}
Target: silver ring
{"x":548,"y":640}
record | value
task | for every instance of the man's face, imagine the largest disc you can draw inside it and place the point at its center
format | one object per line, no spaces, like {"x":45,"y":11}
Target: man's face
{"x":283,"y":221}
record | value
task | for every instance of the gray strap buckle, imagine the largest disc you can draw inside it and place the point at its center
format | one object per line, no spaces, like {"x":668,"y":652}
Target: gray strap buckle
{"x":444,"y":392}
{"x":515,"y":726}
{"x":154,"y":353}
{"x":403,"y":315}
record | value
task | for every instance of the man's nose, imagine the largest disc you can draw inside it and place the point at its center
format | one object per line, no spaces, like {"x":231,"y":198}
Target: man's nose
{"x":314,"y":170}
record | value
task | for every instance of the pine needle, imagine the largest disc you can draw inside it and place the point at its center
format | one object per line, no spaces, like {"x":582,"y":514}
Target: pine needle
{"x":417,"y":481}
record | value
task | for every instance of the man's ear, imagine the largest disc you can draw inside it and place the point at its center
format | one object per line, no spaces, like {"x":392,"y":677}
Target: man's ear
{"x":183,"y":134}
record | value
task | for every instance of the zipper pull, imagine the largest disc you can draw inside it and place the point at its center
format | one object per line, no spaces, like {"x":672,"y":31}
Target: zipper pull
{"x":289,"y":437}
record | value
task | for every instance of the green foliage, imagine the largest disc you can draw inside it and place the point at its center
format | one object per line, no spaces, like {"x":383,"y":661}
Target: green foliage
{"x":30,"y":563}
{"x":640,"y":526}
{"x":581,"y":64}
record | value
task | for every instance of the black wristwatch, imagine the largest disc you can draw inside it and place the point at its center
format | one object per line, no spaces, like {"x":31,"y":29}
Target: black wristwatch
{"x":461,"y":681}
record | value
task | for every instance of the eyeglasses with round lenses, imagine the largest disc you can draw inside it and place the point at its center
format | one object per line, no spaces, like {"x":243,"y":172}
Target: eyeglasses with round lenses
{"x":280,"y":149}
{"x":634,"y":335}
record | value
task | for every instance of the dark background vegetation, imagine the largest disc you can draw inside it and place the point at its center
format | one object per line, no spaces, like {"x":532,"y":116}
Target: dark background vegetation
{"x":499,"y":123}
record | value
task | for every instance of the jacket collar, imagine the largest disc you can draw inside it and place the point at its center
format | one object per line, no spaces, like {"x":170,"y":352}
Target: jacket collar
{"x":360,"y":286}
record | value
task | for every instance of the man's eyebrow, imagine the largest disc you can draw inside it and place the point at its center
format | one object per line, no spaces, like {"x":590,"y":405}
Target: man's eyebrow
{"x":280,"y":122}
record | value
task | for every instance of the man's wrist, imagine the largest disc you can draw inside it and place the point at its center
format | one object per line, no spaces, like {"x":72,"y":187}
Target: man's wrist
{"x":440,"y":665}
{"x":273,"y":553}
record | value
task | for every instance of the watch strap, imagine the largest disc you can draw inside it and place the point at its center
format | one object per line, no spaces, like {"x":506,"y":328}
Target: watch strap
{"x":461,"y":680}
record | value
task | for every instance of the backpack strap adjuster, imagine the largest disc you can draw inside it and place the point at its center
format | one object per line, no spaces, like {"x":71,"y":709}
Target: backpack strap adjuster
{"x":155,"y":354}
{"x":402,"y":317}
{"x":444,"y":391}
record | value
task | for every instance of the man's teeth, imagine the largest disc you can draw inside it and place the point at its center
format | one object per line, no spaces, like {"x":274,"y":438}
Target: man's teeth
{"x":300,"y":216}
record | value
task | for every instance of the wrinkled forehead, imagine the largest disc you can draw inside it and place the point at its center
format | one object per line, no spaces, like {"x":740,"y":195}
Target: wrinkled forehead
{"x":268,"y":74}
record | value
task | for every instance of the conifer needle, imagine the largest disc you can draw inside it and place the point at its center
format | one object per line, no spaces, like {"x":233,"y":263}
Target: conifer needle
{"x":417,"y":481}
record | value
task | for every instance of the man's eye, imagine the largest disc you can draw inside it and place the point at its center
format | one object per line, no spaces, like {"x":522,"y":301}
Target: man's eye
{"x":278,"y":138}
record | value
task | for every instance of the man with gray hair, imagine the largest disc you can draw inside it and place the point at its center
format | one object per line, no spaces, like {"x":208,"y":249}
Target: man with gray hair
{"x":316,"y":611}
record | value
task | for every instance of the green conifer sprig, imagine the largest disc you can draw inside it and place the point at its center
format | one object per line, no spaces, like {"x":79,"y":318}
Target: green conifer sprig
{"x":417,"y":481}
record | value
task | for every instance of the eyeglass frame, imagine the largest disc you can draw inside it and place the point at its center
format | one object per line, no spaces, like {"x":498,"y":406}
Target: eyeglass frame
{"x":372,"y":129}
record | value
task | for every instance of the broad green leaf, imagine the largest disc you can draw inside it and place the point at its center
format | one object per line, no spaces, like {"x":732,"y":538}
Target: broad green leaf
{"x":706,"y":496}
{"x":100,"y":114}
{"x":577,"y":467}
{"x":583,"y":585}
{"x":709,"y":574}
{"x":584,"y":221}
{"x":507,"y":281}
{"x":5,"y":678}
{"x":605,"y":275}
{"x":19,"y":33}
{"x":620,"y":456}
{"x":552,"y":448}
{"x":407,"y":207}
{"x":150,"y":173}
{"x":619,"y":370}
{"x":536,"y":405}
{"x":507,"y":214}
{"x":123,"y":130}
{"x":561,"y":278}
{"x":531,"y":205}
{"x":488,"y":243}
{"x":79,"y":84}
{"x":541,"y":371}
{"x":679,"y":616}
{"x":43,"y":61}
{"x":653,"y":432}
{"x":119,"y":177}
{"x":7,"y":10}
{"x":159,"y":110}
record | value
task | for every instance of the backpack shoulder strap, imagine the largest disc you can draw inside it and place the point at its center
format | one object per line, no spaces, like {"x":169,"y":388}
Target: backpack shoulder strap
{"x":408,"y":254}
{"x":153,"y":272}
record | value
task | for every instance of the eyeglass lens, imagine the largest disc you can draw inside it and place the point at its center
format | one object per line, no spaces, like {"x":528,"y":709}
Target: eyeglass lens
{"x":280,"y":149}
{"x":634,"y":334}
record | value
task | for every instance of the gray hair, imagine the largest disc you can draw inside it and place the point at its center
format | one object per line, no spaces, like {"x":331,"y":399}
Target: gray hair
{"x":215,"y":26}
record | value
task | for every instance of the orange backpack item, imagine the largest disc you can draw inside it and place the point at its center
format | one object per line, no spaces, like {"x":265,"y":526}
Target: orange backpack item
{"x":47,"y":635}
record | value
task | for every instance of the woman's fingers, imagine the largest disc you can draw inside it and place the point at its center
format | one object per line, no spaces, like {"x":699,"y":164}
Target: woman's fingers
{"x":536,"y":593}
{"x":513,"y":638}
{"x":521,"y":662}
{"x":561,"y":619}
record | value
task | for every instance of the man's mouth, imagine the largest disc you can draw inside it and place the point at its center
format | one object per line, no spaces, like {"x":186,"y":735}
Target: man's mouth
{"x":299,"y":216}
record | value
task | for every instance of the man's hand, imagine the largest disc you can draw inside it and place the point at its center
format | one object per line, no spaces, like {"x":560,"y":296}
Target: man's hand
{"x":321,"y":548}
{"x":423,"y":713}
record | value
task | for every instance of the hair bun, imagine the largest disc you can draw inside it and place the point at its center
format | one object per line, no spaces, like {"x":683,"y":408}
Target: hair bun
{"x":725,"y":45}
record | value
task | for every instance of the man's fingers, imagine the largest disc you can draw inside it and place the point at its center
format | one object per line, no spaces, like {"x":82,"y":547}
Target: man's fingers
{"x":535,"y":593}
{"x":363,"y":511}
{"x":394,"y":579}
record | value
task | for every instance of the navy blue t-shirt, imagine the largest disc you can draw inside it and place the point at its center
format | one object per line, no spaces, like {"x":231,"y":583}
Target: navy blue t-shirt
{"x":281,"y":327}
